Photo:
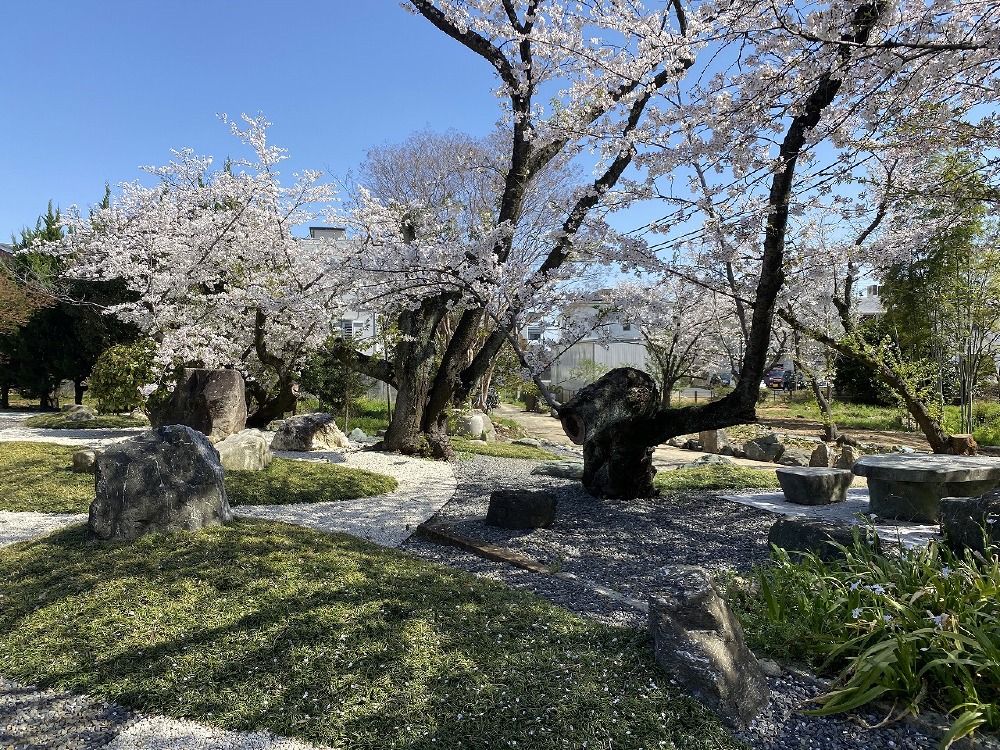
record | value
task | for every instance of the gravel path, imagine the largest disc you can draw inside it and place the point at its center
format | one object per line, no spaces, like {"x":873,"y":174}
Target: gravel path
{"x":624,"y":546}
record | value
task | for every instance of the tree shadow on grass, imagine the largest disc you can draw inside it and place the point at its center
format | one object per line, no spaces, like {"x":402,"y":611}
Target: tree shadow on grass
{"x":328,"y":638}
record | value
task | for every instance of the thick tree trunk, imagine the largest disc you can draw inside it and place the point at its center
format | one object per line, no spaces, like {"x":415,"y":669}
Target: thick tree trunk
{"x":270,"y":407}
{"x":5,"y":396}
{"x":618,"y":421}
{"x":419,"y":421}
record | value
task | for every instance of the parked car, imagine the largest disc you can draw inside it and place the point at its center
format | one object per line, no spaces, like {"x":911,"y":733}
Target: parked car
{"x":793,"y":381}
{"x":776,"y":377}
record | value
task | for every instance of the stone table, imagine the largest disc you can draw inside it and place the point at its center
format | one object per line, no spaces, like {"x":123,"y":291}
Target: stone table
{"x":908,"y":487}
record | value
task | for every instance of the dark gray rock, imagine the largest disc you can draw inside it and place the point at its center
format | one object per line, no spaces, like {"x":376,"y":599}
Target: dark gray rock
{"x":521,"y":509}
{"x":970,"y":522}
{"x":698,"y":640}
{"x":813,"y":485}
{"x":797,"y":534}
{"x":568,"y":469}
{"x":530,"y":442}
{"x":211,"y":401}
{"x":794,"y":457}
{"x":68,"y":409}
{"x":767,"y":448}
{"x":161,"y":481}
{"x":309,"y":432}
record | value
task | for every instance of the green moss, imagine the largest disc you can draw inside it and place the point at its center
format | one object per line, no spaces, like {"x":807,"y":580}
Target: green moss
{"x":60,"y":421}
{"x":38,"y":477}
{"x":329,"y":639}
{"x":503,"y":450}
{"x":286,"y":481}
{"x":715,"y":477}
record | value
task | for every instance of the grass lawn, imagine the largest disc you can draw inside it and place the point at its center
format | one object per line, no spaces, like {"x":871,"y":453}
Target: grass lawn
{"x":59,"y":421}
{"x":715,"y":477}
{"x":286,"y":481}
{"x":503,"y":450}
{"x":329,"y":639}
{"x":37,"y":477}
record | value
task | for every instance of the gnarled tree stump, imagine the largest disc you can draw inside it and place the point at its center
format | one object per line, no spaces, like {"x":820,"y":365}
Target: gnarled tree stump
{"x":606,"y":418}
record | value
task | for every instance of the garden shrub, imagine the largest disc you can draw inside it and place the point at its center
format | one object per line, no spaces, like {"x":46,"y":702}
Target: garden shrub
{"x":118,"y":375}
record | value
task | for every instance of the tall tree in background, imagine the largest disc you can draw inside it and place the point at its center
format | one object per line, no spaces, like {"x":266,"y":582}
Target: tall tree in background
{"x":216,"y":277}
{"x":454,"y":250}
{"x":62,"y":339}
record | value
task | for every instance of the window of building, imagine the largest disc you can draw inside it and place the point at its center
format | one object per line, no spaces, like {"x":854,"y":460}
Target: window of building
{"x":534,"y":333}
{"x":347,"y":329}
{"x":626,"y":326}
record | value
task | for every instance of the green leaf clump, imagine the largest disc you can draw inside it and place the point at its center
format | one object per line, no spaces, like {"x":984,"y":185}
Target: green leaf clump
{"x":919,"y":626}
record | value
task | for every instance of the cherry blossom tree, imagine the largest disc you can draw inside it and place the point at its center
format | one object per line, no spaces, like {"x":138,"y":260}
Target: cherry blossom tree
{"x":771,"y":101}
{"x":218,"y":278}
{"x":677,"y":320}
{"x":425,"y":218}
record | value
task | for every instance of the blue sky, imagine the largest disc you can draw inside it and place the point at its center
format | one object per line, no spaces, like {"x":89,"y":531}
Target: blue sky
{"x":94,"y":89}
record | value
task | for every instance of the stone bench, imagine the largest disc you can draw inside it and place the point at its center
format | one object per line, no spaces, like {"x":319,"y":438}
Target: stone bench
{"x":814,"y":485}
{"x":908,"y":488}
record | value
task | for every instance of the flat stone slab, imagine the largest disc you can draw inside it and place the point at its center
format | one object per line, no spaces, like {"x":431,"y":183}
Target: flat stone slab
{"x":928,"y":468}
{"x":910,"y":487}
{"x":804,"y":485}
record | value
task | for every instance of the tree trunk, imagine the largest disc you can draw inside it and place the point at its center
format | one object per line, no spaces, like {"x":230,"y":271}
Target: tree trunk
{"x":830,"y":432}
{"x":5,"y":396}
{"x":604,"y":418}
{"x":618,"y":421}
{"x":270,"y":407}
{"x":418,"y":426}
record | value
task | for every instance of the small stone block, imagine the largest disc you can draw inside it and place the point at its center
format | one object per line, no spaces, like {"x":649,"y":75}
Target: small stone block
{"x":521,"y":509}
{"x":814,"y":485}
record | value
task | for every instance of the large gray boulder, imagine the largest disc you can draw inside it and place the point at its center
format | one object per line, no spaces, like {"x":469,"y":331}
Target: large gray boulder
{"x":568,"y":469}
{"x":474,"y":424}
{"x":310,"y":432}
{"x":767,"y":448}
{"x":245,"y":451}
{"x":161,"y":481}
{"x":794,"y":457}
{"x":698,"y":640}
{"x":211,"y":401}
{"x":970,"y":522}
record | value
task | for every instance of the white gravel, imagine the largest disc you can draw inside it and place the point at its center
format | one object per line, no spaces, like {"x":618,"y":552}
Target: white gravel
{"x":159,"y":733}
{"x":390,"y":519}
{"x":17,"y":527}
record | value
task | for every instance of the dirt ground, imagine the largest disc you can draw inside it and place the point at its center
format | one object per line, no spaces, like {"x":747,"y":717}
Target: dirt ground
{"x":780,"y":419}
